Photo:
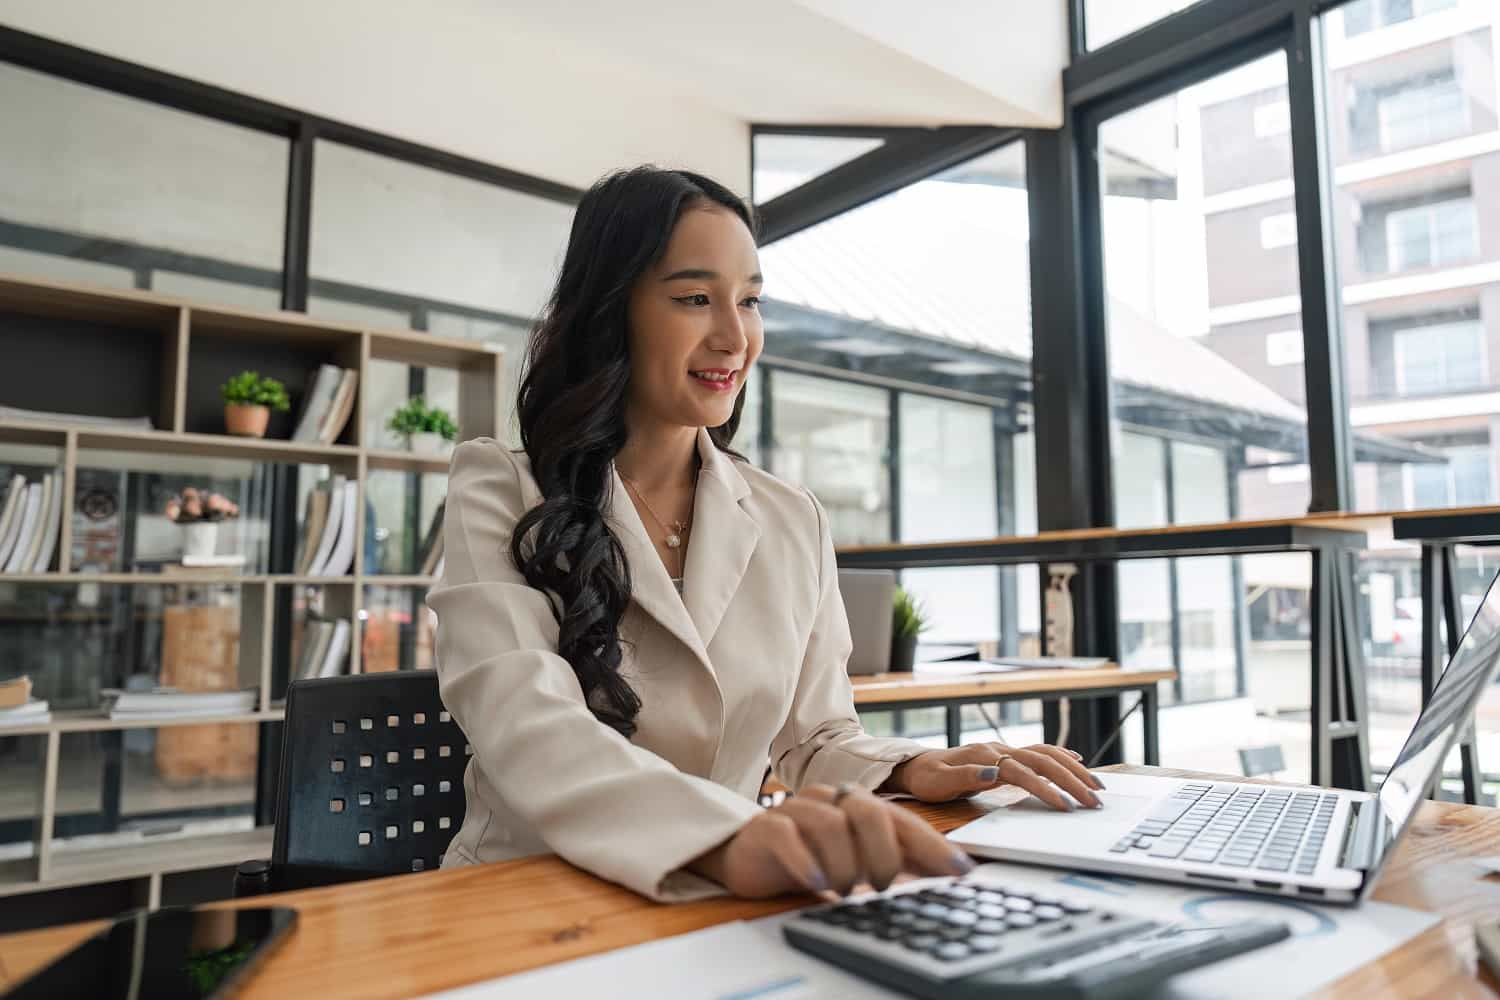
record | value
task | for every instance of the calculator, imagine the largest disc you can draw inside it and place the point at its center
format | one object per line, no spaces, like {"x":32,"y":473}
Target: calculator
{"x":967,"y":939}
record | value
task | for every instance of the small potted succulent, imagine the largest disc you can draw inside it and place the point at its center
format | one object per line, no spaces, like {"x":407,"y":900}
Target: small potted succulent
{"x":199,"y":512}
{"x":425,"y":428}
{"x":908,"y":621}
{"x":248,"y":402}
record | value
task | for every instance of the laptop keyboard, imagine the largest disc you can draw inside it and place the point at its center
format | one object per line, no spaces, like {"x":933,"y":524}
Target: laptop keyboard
{"x":1239,"y":826}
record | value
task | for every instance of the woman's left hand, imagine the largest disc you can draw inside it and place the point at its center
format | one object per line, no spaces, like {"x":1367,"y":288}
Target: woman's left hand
{"x":1043,"y":770}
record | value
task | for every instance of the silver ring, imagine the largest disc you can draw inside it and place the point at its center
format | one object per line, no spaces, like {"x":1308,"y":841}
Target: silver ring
{"x":844,"y":788}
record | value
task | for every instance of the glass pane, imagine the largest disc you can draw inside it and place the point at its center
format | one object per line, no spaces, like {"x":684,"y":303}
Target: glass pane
{"x":928,"y":286}
{"x":1202,"y":310}
{"x":783,"y":162}
{"x":747,"y":437}
{"x":21,"y":767}
{"x":1106,"y":20}
{"x":403,"y":519}
{"x":1412,"y":87}
{"x":398,"y":630}
{"x":104,"y":189}
{"x":832,"y":437}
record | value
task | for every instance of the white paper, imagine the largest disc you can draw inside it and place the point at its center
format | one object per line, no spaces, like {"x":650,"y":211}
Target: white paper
{"x":733,"y":961}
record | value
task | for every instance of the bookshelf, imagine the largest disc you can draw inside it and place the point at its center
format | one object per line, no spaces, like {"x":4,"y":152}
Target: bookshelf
{"x":106,"y":352}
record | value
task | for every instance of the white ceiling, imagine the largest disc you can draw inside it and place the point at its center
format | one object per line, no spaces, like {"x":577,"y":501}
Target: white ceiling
{"x":569,"y":89}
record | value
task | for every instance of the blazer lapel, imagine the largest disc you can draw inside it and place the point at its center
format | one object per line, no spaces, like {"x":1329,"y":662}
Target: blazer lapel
{"x":651,"y":587}
{"x":722,"y":540}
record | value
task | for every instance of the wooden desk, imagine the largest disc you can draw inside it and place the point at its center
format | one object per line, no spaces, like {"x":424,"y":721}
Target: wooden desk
{"x":916,"y":690}
{"x":1340,"y":754}
{"x":413,"y":934}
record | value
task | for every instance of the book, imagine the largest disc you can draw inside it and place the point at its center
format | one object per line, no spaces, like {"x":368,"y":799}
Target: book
{"x":39,"y":527}
{"x":171,"y":702}
{"x":432,"y":543}
{"x":313,"y":523}
{"x":224,"y":560}
{"x":432,"y":565}
{"x":338,"y":650}
{"x":51,"y":527}
{"x":317,"y":403}
{"x":28,"y":526}
{"x":10,"y":517}
{"x":341,"y":558}
{"x":43,"y":416}
{"x":342,"y":408}
{"x":15,"y":691}
{"x":335,"y":490}
{"x":28,"y":713}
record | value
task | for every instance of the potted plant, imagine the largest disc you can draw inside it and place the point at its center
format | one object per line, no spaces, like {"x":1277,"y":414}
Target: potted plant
{"x":248,"y":402}
{"x":425,"y":428}
{"x":908,"y":621}
{"x":199,"y":512}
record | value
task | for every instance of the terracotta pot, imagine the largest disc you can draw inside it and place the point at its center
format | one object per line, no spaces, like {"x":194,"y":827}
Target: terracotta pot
{"x":245,"y":420}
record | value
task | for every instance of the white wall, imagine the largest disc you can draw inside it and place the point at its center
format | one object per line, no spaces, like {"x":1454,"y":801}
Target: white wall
{"x":459,"y":75}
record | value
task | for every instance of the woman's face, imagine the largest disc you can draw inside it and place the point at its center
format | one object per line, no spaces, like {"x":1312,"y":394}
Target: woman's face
{"x":695,"y":325}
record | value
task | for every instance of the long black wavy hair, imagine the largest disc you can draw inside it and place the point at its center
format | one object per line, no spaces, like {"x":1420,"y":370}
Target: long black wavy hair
{"x":571,"y":407}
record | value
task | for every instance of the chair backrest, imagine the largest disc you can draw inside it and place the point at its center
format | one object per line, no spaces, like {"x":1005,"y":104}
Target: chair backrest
{"x":1255,"y":761}
{"x":869,"y":596}
{"x":372,"y":770}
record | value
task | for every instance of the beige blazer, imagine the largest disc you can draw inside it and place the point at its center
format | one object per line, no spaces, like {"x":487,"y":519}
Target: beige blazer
{"x":745,"y":667}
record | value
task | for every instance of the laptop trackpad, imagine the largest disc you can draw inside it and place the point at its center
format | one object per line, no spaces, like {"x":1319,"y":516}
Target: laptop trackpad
{"x":1035,"y":823}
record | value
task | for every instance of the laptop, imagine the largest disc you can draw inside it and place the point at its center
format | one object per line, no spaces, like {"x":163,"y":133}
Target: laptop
{"x":869,"y":599}
{"x":1292,"y":841}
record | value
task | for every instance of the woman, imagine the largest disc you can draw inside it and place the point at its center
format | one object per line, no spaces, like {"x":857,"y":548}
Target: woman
{"x":633,"y":622}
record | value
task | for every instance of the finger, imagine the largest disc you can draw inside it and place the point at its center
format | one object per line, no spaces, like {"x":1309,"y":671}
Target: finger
{"x":826,"y":830}
{"x":924,"y":851}
{"x":1072,"y":761}
{"x":875,"y":836}
{"x":785,"y":845}
{"x":1016,"y":772}
{"x":1053,"y":770}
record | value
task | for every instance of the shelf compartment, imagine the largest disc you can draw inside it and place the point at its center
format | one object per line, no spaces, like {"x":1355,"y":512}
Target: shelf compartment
{"x":83,"y":866}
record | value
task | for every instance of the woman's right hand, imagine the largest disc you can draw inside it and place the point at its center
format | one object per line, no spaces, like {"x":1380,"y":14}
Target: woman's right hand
{"x":810,"y":844}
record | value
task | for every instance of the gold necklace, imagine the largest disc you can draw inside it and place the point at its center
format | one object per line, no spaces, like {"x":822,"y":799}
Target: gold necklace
{"x":673,"y":535}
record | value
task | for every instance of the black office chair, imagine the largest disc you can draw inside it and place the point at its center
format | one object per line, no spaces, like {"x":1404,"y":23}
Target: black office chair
{"x":371,"y":784}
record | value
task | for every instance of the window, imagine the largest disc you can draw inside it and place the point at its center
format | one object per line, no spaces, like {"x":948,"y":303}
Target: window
{"x":1363,"y":16}
{"x":1106,"y":20}
{"x":783,"y":162}
{"x":1432,"y":235}
{"x":1434,"y":359}
{"x":833,"y":437}
{"x":1415,"y":111}
{"x":1284,"y":347}
{"x":102,"y":189}
{"x":1461,"y":481}
{"x":1273,"y":119}
{"x":1278,"y":230}
{"x":1185,"y":283}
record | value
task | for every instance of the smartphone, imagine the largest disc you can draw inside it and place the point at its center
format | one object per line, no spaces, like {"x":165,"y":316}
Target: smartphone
{"x":174,"y":953}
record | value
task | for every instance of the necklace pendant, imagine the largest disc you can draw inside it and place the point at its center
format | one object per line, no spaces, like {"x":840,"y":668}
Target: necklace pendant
{"x":674,"y":541}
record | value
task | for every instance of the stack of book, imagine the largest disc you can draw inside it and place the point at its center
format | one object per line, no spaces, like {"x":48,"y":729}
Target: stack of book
{"x":18,"y":707}
{"x":430,"y":556}
{"x":30,"y":523}
{"x":327,"y":405}
{"x":328,"y":543}
{"x":325,"y":648}
{"x":17,"y":414}
{"x":169,"y":703}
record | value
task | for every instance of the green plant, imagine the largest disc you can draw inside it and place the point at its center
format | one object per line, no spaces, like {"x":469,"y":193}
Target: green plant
{"x":416,"y":417}
{"x":910,"y":619}
{"x":249,"y":389}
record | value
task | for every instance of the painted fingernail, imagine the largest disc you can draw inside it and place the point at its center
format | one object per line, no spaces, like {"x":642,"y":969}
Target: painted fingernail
{"x":817,"y":880}
{"x":962,"y":864}
{"x":989,"y":774}
{"x":1075,"y":753}
{"x":1068,"y":805}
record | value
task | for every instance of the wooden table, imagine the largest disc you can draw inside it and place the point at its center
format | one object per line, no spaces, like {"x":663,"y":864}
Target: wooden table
{"x":920,"y":690}
{"x":413,"y":934}
{"x":1340,"y":754}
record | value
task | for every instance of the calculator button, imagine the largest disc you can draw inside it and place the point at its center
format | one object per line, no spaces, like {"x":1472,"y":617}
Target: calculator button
{"x":864,"y":925}
{"x":983,"y":943}
{"x":960,"y":892}
{"x":1075,"y":908}
{"x":902,"y":919}
{"x":952,"y":951}
{"x":991,"y":927}
{"x":1021,"y":920}
{"x":991,"y":912}
{"x":1017,"y":904}
{"x":933,"y":911}
{"x":1048,"y":912}
{"x":889,"y":932}
{"x":921,"y":942}
{"x":961,"y":918}
{"x":903,"y":904}
{"x":992,"y":897}
{"x":951,"y":933}
{"x":922,"y":925}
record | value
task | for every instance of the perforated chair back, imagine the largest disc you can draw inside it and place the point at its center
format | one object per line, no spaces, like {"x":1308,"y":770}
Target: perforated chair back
{"x":372,"y":771}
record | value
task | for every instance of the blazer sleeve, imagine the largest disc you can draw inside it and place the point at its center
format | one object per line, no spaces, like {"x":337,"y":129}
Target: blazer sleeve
{"x":822,"y":741}
{"x":599,"y":801}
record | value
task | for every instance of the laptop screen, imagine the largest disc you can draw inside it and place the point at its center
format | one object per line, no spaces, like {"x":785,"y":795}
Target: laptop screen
{"x":1451,"y":707}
